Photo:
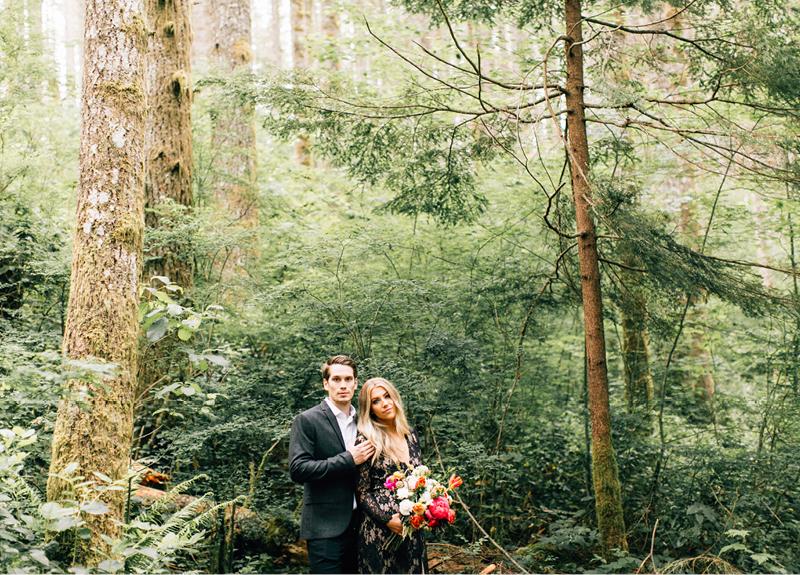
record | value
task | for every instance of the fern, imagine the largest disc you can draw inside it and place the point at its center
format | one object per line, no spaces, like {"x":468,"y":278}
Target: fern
{"x":160,"y":506}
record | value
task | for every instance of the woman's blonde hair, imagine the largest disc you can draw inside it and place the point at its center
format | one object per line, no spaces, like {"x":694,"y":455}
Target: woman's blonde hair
{"x":375,"y":431}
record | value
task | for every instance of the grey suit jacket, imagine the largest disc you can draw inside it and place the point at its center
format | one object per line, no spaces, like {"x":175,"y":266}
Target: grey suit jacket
{"x":318,"y":459}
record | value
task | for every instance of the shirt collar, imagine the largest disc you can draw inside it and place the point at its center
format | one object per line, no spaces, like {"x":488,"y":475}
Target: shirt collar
{"x":337,"y":412}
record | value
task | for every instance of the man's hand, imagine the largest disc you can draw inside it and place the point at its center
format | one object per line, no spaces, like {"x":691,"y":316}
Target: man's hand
{"x":395,"y":525}
{"x":362,"y":452}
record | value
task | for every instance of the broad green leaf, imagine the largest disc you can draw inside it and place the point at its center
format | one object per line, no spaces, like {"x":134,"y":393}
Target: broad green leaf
{"x":184,"y":334}
{"x":217,"y":359}
{"x":95,"y":508}
{"x":188,"y":390}
{"x":164,"y":297}
{"x":156,"y":331}
{"x":38,"y":555}
{"x":66,"y":523}
{"x":733,"y":547}
{"x":103,"y":476}
{"x":110,"y":566}
{"x":149,"y":551}
{"x":762,"y":557}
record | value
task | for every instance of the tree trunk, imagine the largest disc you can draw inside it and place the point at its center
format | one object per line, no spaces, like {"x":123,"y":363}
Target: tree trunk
{"x":168,"y":139}
{"x":606,"y":478}
{"x":234,"y":129}
{"x":301,"y":24}
{"x":73,"y":25}
{"x":636,"y":348}
{"x":102,"y":320}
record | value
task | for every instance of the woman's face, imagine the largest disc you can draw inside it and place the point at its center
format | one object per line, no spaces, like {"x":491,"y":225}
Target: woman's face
{"x":382,"y":405}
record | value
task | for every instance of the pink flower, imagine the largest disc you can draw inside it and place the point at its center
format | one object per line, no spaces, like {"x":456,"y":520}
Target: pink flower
{"x":390,"y":482}
{"x":440,"y":508}
{"x":452,"y":516}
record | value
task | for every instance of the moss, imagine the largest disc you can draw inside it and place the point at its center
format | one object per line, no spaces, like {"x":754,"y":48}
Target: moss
{"x":128,"y":231}
{"x":608,"y":496}
{"x":136,"y":28}
{"x":242,"y":53}
{"x":130,"y":97}
{"x":180,"y":83}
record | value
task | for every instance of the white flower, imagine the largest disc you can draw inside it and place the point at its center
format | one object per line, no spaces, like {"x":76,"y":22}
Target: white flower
{"x":412,"y":482}
{"x":402,"y":493}
{"x":425,"y":499}
{"x":422,"y":470}
{"x":405,"y":506}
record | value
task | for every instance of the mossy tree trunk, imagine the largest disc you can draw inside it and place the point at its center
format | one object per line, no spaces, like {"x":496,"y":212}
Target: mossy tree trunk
{"x":636,"y":348}
{"x":234,"y":136}
{"x":102,"y":321}
{"x":605,"y":473}
{"x":301,"y":58}
{"x":168,"y":139}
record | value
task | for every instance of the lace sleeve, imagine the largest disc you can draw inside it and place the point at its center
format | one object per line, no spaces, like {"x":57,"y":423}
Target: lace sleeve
{"x":370,"y":480}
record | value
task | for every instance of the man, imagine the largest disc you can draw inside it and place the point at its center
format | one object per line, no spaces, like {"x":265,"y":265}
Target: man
{"x":323,"y":457}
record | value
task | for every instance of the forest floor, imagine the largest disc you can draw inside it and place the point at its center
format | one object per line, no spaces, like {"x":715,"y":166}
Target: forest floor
{"x":445,"y":558}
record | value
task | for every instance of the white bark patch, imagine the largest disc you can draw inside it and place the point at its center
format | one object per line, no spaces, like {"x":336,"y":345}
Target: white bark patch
{"x":87,"y":227}
{"x":103,"y":197}
{"x":101,"y":231}
{"x":118,"y":137}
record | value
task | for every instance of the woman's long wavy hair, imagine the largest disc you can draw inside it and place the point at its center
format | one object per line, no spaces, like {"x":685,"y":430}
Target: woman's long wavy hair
{"x":375,"y":431}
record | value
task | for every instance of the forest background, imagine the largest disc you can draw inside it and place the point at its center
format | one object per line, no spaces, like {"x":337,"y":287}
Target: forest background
{"x":573,"y":254}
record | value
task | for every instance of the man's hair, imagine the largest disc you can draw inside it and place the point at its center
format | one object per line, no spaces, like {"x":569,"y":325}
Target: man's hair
{"x":338,"y":360}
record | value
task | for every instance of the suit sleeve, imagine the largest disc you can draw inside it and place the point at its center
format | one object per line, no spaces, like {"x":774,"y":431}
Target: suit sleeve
{"x":303,"y":467}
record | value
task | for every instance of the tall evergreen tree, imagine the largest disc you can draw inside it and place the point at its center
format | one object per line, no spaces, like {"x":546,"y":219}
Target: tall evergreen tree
{"x":95,"y":421}
{"x":168,"y":138}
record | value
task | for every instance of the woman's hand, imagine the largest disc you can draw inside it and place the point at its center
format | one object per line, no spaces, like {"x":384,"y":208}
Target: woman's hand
{"x":395,"y":525}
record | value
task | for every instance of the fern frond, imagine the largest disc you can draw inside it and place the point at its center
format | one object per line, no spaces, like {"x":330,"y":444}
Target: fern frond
{"x":206,"y":520}
{"x":160,"y":506}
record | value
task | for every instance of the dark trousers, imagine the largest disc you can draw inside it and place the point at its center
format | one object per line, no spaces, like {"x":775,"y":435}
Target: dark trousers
{"x":337,"y":554}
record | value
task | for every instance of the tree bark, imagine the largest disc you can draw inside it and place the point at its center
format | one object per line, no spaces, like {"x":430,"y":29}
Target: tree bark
{"x":636,"y":348}
{"x":102,"y":320}
{"x":301,"y":25}
{"x":234,"y":129}
{"x":606,"y":478}
{"x":168,"y":137}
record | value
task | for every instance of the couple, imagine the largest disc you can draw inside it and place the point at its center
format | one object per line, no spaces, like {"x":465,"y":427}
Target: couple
{"x":343,"y":459}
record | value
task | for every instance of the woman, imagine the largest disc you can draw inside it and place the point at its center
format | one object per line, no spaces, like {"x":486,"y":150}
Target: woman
{"x":381,"y":421}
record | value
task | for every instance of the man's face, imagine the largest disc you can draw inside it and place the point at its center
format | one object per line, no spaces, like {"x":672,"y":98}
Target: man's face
{"x":340,"y":385}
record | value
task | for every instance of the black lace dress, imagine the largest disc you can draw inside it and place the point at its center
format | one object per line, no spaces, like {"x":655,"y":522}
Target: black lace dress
{"x":378,"y":504}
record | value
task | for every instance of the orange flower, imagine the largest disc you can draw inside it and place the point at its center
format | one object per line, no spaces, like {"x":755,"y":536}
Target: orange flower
{"x":418,"y":508}
{"x":417,"y":521}
{"x":420,"y":483}
{"x":455,"y":481}
{"x":399,"y":475}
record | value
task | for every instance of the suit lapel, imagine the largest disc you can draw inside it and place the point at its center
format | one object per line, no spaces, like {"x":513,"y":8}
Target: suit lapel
{"x":335,"y":424}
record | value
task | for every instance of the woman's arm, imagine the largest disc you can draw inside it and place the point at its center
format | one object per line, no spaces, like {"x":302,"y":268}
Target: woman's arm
{"x":368,"y":484}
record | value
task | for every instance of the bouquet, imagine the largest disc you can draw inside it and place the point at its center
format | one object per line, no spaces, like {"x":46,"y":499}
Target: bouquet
{"x":424,"y":501}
